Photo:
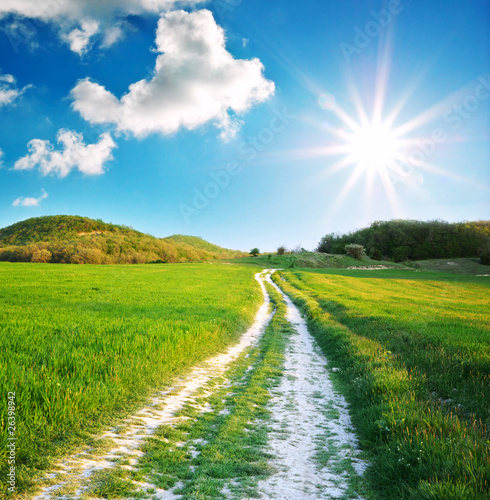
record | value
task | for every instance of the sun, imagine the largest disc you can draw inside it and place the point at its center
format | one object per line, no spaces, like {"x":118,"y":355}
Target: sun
{"x":373,"y":147}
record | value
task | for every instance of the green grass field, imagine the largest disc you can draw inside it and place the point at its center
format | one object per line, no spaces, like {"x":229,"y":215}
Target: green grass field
{"x":312,"y":260}
{"x":413,"y":350}
{"x":84,"y":345}
{"x":454,"y":266}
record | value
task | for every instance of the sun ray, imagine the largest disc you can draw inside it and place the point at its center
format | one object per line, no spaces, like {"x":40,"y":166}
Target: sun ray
{"x":339,"y":200}
{"x":383,"y":73}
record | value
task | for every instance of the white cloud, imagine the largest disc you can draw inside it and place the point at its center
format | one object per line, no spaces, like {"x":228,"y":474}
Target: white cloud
{"x":1,"y":158}
{"x":9,"y":91}
{"x":74,"y":154}
{"x":71,"y":15}
{"x":114,"y":34}
{"x":30,"y":202}
{"x":79,"y":38}
{"x":76,"y":9}
{"x":195,"y":81}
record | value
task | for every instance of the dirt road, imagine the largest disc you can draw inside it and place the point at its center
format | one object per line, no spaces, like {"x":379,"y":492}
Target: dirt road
{"x":312,"y":448}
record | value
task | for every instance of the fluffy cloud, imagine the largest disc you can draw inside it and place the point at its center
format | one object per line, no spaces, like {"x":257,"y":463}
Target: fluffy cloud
{"x":74,"y":154}
{"x":30,"y":202}
{"x":76,"y":9}
{"x":1,"y":158}
{"x":8,"y":90}
{"x":195,"y":81}
{"x":80,"y":20}
{"x":79,"y":38}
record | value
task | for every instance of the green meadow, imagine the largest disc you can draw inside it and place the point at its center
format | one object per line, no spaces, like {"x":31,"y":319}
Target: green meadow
{"x":413,"y":352}
{"x":82,"y":346}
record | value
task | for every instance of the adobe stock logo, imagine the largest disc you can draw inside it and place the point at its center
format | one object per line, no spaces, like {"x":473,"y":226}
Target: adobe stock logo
{"x":247,"y":152}
{"x":372,"y":29}
{"x":454,"y":116}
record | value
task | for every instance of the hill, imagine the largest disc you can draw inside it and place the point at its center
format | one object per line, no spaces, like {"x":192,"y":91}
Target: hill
{"x":81,"y":240}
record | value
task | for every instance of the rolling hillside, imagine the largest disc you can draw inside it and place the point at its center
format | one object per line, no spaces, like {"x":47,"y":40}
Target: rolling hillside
{"x":80,"y":240}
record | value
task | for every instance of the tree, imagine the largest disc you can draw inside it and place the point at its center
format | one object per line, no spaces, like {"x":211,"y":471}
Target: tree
{"x":377,"y":255}
{"x":281,"y":250}
{"x":254,"y":252}
{"x":325,"y":245}
{"x":356,"y":251}
{"x":485,"y":254}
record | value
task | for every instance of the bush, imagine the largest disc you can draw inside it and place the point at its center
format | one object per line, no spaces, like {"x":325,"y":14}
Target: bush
{"x":377,"y":255}
{"x":87,"y":256}
{"x":356,"y":251}
{"x":41,"y":255}
{"x":281,"y":250}
{"x":254,"y":252}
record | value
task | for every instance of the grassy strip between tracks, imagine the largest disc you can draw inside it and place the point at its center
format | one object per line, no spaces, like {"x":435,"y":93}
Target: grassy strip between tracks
{"x":385,"y":336}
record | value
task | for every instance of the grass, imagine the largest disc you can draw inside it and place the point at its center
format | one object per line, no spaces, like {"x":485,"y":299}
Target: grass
{"x":311,"y":260}
{"x":455,"y":266}
{"x":82,"y":346}
{"x":220,"y":453}
{"x":413,"y":350}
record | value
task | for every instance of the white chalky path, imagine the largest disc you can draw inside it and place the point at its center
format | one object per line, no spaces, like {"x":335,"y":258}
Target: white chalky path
{"x":305,"y":408}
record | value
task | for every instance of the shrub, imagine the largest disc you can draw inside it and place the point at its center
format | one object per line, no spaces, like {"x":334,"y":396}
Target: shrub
{"x":87,"y":256}
{"x":356,"y":251}
{"x":281,"y":250}
{"x":254,"y":252}
{"x":41,"y":255}
{"x":377,"y":255}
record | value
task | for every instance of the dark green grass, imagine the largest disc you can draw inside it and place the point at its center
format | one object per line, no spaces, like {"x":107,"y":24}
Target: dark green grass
{"x":414,"y":355}
{"x":453,"y":266}
{"x":82,"y":345}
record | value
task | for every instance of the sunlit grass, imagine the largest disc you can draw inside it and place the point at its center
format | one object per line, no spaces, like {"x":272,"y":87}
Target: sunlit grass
{"x":414,"y":359}
{"x":81,"y":345}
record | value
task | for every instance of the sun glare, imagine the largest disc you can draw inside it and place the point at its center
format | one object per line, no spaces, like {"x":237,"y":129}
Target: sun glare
{"x":373,"y":147}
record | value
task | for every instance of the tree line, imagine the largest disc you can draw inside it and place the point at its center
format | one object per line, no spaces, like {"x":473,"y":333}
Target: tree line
{"x":402,"y":240}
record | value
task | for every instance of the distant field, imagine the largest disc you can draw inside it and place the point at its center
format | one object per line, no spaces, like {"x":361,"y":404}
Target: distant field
{"x":312,"y":260}
{"x":414,"y":354}
{"x":456,"y":266}
{"x":81,"y":345}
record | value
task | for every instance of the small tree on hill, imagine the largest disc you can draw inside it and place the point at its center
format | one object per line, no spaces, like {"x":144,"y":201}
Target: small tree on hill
{"x":254,"y":252}
{"x":325,"y":245}
{"x":356,"y":251}
{"x":281,"y":250}
{"x":377,"y":255}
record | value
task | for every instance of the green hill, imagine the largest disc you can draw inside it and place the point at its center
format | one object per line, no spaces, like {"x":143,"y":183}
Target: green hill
{"x":81,"y":240}
{"x":195,"y":242}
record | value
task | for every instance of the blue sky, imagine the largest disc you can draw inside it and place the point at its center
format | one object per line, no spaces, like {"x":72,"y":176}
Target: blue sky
{"x":247,"y":123}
